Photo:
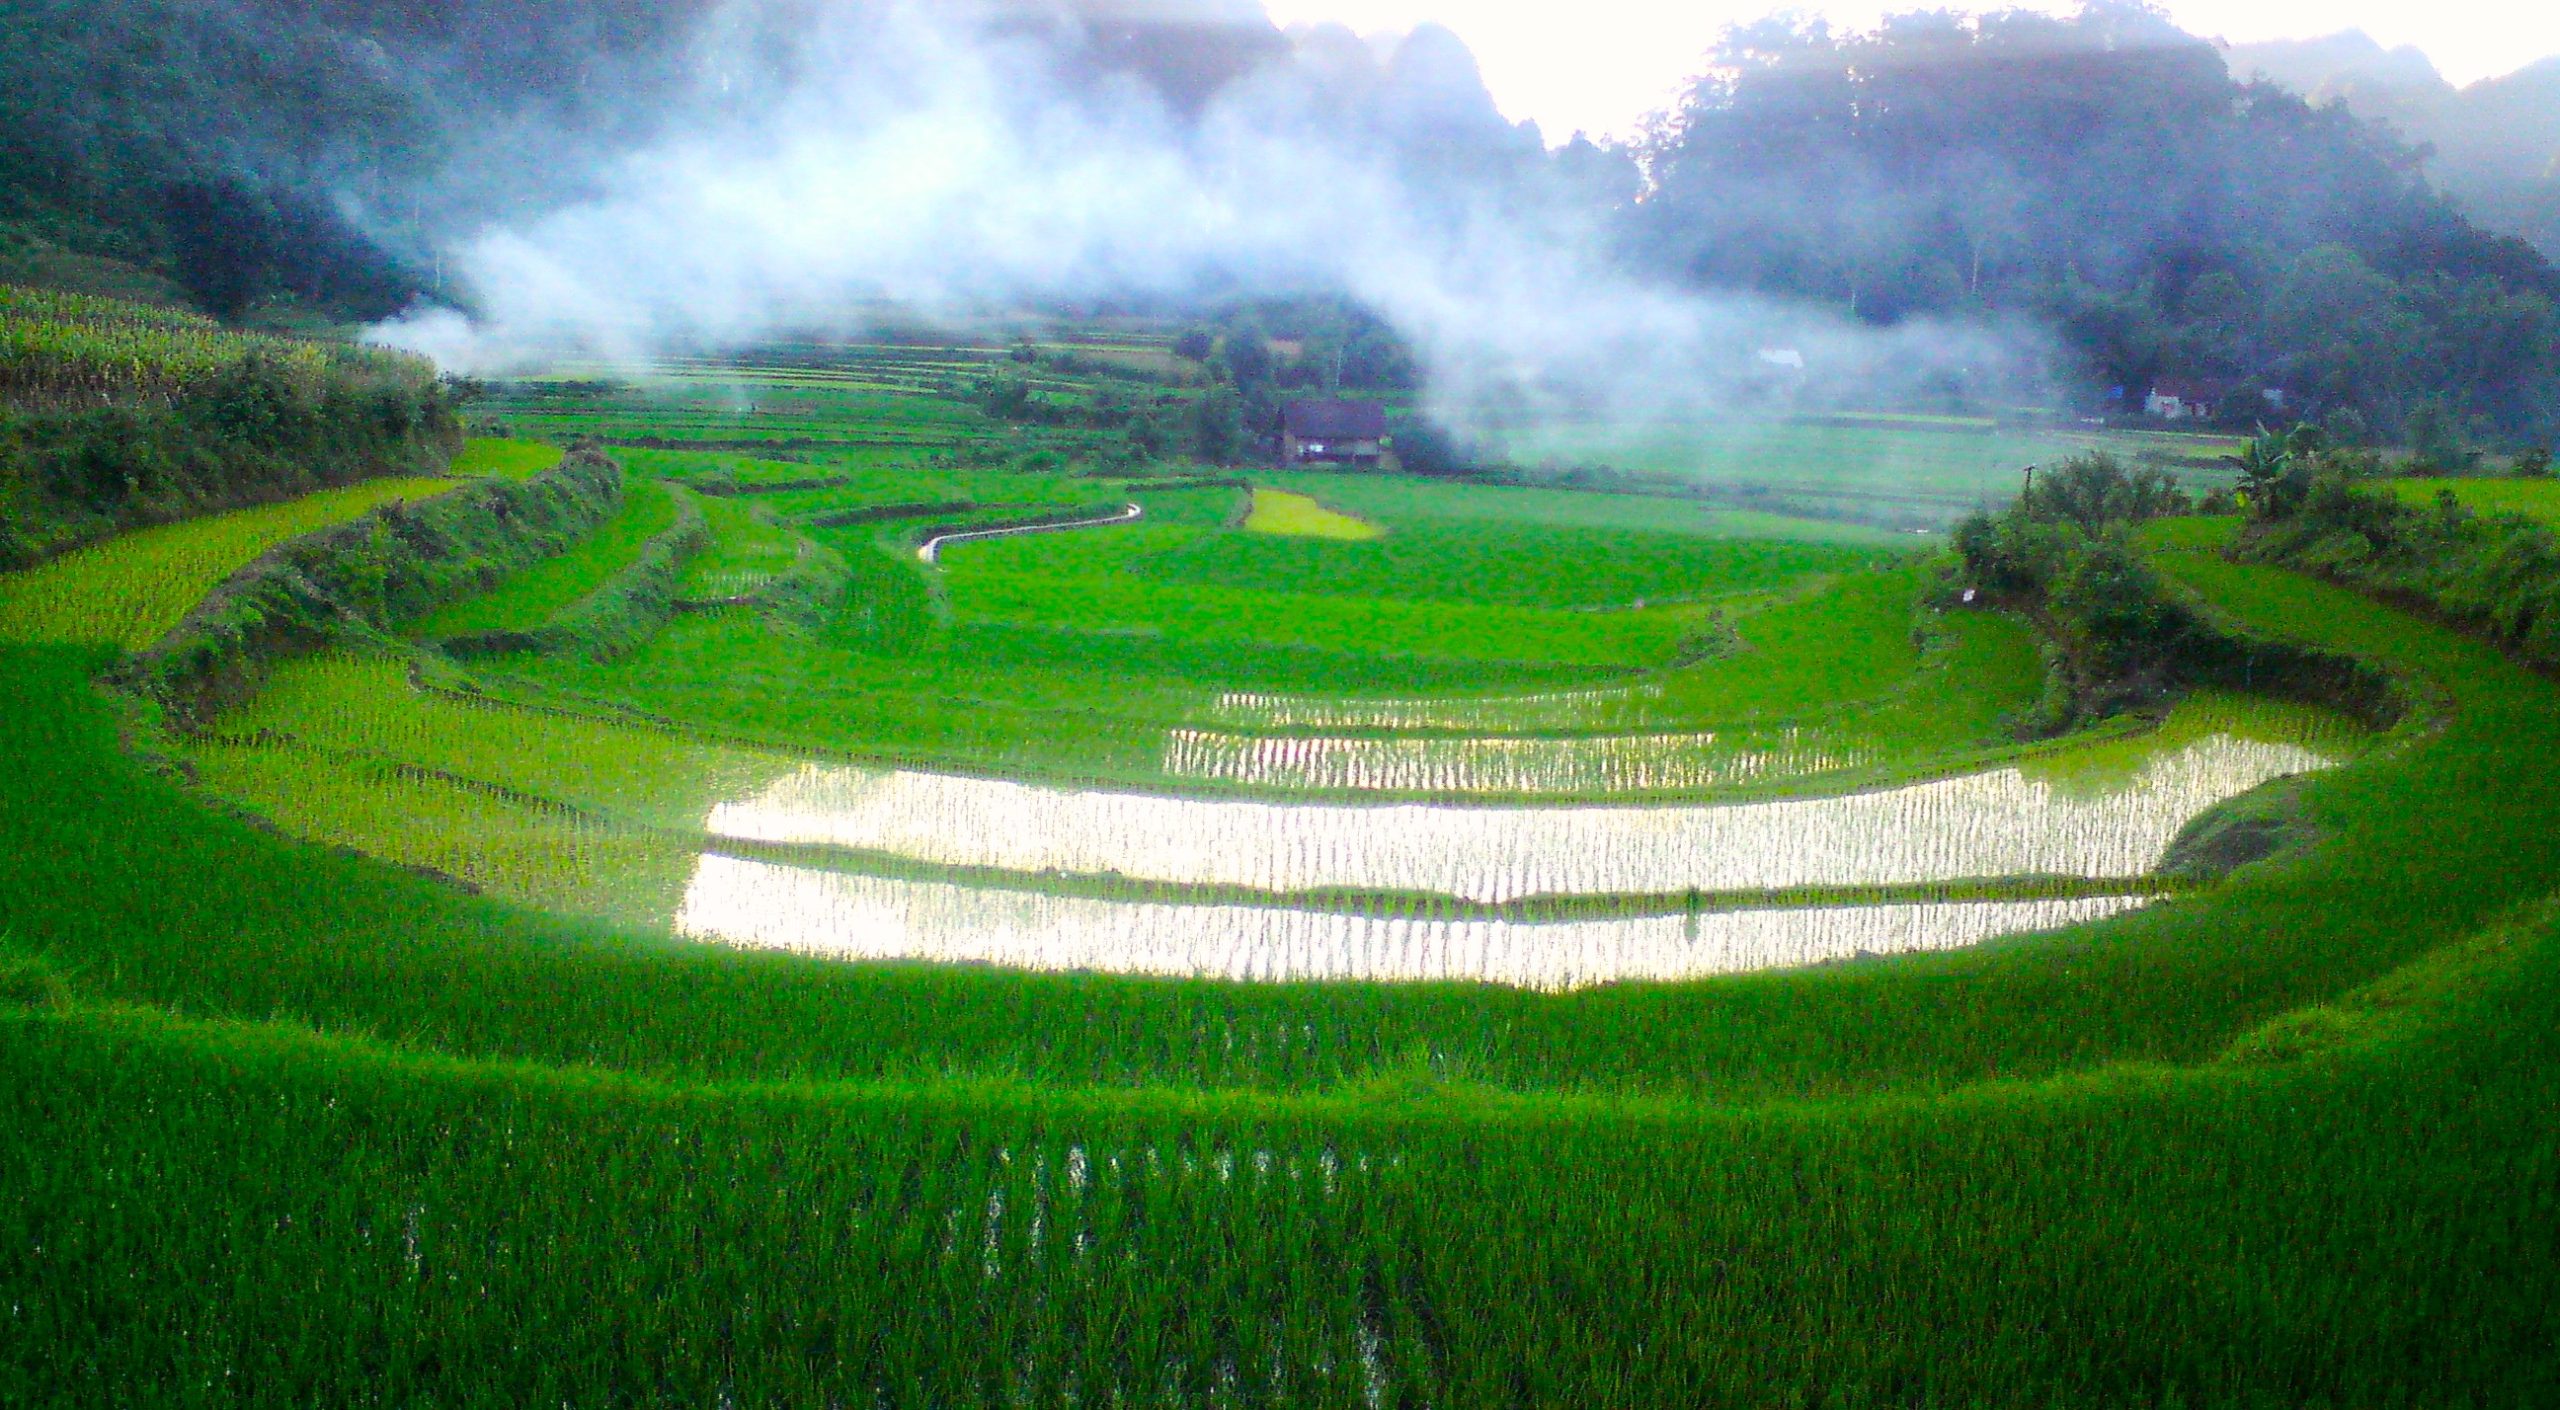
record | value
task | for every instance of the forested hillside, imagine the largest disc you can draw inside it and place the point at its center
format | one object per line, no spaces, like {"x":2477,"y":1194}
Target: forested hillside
{"x":2494,"y":146}
{"x":2103,"y":177}
{"x":2107,"y":175}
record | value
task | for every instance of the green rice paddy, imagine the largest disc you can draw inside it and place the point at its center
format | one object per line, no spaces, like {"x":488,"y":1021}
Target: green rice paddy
{"x":1287,"y":514}
{"x":1916,"y":471}
{"x":2532,"y":498}
{"x":130,"y":591}
{"x":348,"y":1049}
{"x":505,"y":459}
{"x":536,"y":595}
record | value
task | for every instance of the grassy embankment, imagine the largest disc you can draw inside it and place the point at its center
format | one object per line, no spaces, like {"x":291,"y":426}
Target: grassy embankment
{"x":533,"y":597}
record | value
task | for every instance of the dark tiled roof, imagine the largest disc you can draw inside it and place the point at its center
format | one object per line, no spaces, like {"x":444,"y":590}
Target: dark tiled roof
{"x":1335,"y":420}
{"x":2186,"y":389}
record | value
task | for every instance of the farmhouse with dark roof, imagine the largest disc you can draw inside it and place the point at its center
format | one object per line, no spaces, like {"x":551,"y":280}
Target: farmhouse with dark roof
{"x":1333,"y":433}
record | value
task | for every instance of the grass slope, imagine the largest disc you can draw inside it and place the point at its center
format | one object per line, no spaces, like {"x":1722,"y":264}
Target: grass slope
{"x":533,"y":597}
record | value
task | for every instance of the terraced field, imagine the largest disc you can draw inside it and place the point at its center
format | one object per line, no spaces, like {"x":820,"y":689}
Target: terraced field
{"x":2537,"y":498}
{"x":1288,"y":514}
{"x":1900,"y":470}
{"x":129,"y":592}
{"x":1566,"y":948}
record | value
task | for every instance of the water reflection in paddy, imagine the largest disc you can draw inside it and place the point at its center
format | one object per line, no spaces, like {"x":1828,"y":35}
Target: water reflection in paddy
{"x":2003,"y":822}
{"x":762,"y":905}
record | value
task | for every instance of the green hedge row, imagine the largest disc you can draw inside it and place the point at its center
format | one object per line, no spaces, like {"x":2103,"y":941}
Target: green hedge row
{"x":258,"y":433}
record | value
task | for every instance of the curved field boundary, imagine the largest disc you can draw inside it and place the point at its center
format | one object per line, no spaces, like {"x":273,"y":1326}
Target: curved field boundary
{"x":930,"y":551}
{"x":726,"y":489}
{"x":134,"y":589}
{"x":354,"y":581}
{"x":620,"y":613}
{"x":891,"y":514}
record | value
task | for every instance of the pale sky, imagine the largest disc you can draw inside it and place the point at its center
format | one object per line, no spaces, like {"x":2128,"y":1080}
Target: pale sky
{"x":1601,"y":65}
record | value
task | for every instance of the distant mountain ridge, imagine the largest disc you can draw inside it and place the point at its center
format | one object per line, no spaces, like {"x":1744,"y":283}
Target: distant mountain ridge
{"x":2496,"y":143}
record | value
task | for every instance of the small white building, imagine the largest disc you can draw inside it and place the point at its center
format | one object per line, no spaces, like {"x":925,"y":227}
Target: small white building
{"x":2177,"y":399}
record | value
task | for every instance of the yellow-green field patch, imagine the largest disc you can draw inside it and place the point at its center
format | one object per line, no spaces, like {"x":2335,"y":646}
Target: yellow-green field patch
{"x":505,"y":459}
{"x":1293,"y":515}
{"x":131,"y":591}
{"x":2535,"y":498}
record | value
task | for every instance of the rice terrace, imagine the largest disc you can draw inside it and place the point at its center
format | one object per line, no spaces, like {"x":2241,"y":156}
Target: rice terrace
{"x":1041,"y":837}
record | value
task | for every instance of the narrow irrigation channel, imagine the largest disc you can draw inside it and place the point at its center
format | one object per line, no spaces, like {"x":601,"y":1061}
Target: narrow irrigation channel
{"x":930,"y":551}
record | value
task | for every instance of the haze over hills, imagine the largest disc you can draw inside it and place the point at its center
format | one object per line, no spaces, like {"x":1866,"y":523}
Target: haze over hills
{"x":2001,"y":210}
{"x":2496,"y":143}
{"x":218,"y":144}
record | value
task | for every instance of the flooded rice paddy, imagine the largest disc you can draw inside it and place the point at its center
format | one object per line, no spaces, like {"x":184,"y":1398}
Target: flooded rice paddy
{"x":2005,"y":822}
{"x":1563,"y":709}
{"x":648,"y":825}
{"x":1643,"y":763}
{"x":761,"y":905}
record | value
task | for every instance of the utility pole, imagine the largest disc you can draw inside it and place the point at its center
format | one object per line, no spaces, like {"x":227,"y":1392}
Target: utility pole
{"x":2031,"y":480}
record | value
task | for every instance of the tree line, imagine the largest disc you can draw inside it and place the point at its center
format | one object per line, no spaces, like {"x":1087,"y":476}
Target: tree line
{"x":2102,"y":175}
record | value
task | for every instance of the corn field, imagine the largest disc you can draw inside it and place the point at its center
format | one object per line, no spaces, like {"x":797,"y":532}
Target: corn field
{"x":69,"y":351}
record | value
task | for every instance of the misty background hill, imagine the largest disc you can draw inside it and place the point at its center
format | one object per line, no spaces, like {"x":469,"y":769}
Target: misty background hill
{"x":1967,"y":209}
{"x":2495,"y":144}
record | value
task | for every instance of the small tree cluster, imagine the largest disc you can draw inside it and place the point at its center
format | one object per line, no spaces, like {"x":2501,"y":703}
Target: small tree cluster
{"x":2062,"y":551}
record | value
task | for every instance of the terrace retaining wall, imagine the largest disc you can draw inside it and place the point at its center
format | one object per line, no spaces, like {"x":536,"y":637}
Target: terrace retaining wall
{"x":620,"y":615}
{"x":354,"y":582}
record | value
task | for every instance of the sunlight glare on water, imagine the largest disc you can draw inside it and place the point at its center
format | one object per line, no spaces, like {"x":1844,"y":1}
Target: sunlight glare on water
{"x":1997,"y":823}
{"x":760,"y":905}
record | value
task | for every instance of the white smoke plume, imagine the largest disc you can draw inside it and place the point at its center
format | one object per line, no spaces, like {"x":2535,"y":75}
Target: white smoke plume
{"x":947,"y":159}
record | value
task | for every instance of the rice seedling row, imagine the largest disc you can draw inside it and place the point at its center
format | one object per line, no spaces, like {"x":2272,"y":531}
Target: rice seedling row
{"x":1998,"y":823}
{"x":534,"y":596}
{"x":840,"y":916}
{"x":131,"y":591}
